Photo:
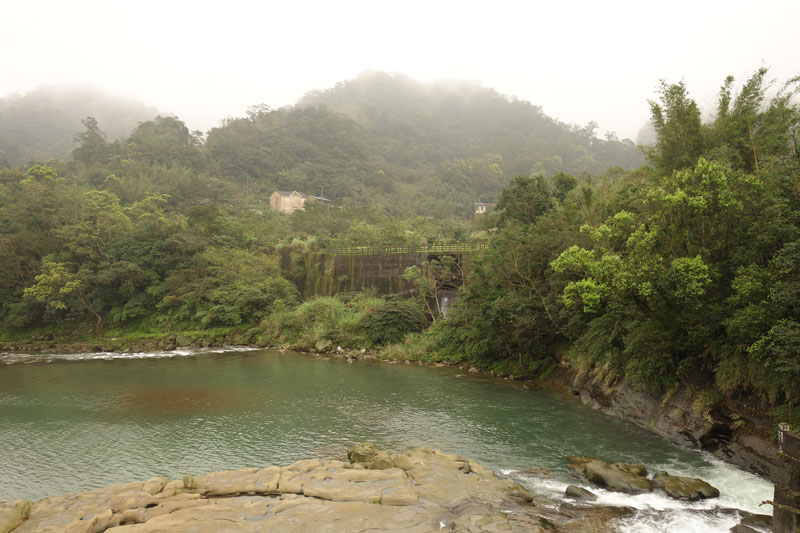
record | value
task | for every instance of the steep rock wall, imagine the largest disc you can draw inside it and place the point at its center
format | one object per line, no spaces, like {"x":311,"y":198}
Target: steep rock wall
{"x":673,"y":416}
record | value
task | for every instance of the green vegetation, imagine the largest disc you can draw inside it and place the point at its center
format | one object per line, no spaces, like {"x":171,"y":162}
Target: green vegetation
{"x":23,"y":512}
{"x":189,"y":482}
{"x":164,"y":231}
{"x":392,"y":321}
{"x":686,"y":270}
{"x":349,"y":321}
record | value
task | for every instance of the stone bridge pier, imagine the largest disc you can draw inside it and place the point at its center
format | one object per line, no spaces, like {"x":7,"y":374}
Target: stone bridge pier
{"x":786,"y":501}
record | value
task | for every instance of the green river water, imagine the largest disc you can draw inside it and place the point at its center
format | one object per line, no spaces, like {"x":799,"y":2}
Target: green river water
{"x":79,"y":422}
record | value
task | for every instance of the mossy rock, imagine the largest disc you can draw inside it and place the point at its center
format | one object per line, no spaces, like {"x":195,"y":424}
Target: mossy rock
{"x":369,"y":456}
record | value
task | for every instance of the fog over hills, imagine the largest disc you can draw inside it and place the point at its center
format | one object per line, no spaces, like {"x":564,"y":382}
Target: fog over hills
{"x":41,"y":124}
{"x":409,"y":123}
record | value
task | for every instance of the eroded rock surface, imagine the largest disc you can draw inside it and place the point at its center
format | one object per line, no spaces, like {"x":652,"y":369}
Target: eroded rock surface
{"x":757,"y":523}
{"x":417,"y":491}
{"x":580,"y":494}
{"x":684,"y":488}
{"x":672,"y":415}
{"x":621,"y":477}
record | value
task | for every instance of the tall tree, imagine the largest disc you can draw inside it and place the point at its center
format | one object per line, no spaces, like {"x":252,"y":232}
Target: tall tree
{"x":676,"y":121}
{"x":92,"y":147}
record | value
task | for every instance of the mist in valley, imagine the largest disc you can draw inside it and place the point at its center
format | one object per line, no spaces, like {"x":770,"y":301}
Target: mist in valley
{"x":582,"y":63}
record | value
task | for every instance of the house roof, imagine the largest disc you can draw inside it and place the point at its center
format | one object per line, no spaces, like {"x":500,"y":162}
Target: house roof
{"x":302,"y":195}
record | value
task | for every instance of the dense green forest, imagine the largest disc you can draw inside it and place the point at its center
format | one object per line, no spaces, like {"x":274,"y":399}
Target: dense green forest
{"x":687,"y":269}
{"x":679,"y":261}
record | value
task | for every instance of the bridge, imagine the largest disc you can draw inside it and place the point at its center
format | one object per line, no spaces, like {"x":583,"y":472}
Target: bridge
{"x":428,"y":249}
{"x":335,"y":270}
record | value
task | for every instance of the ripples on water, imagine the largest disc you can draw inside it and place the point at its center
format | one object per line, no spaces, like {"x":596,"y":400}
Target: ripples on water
{"x":73,"y":422}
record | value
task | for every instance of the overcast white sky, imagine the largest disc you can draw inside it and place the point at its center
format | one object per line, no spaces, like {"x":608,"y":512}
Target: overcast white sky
{"x":579,"y":60}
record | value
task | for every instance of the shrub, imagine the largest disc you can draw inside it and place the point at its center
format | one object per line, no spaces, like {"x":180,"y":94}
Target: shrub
{"x":282,"y":326}
{"x":392,"y":321}
{"x":22,"y":513}
{"x":320,"y":319}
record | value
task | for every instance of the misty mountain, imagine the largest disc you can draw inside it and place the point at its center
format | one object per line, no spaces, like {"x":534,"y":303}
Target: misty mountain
{"x":42,"y":123}
{"x":411,"y":147}
{"x":463,"y":119}
{"x":379,"y":139}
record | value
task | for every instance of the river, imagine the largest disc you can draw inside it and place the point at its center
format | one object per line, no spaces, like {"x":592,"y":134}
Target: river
{"x":76,"y":422}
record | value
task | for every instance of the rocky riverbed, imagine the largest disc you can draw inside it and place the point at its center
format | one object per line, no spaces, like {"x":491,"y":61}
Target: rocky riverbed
{"x":420,"y":490}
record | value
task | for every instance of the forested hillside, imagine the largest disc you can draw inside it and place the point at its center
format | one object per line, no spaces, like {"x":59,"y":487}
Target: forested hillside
{"x":458,"y":123}
{"x":685,"y":270}
{"x":384,"y":140}
{"x":41,"y":124}
{"x":164,"y":229}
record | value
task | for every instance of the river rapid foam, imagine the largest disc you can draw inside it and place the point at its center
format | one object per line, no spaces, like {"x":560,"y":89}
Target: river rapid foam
{"x":17,"y":358}
{"x":657,"y":513}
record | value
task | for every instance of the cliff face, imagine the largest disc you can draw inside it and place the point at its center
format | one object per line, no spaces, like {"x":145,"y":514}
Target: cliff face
{"x":674,"y":416}
{"x":416,"y":491}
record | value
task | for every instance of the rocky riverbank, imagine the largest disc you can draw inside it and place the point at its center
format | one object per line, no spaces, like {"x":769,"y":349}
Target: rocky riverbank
{"x":729,"y":433}
{"x":417,"y":491}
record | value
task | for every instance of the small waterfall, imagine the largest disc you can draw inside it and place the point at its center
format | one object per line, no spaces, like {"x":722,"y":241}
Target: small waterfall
{"x":446,"y":299}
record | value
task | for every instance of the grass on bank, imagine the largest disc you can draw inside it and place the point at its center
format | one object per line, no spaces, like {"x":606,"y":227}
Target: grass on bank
{"x":189,"y":482}
{"x":117,"y":336}
{"x":353,"y":321}
{"x":360,"y":321}
{"x":22,"y":513}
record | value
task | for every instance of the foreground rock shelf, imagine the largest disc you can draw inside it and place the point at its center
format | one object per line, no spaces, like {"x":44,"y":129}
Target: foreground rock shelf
{"x":417,"y":491}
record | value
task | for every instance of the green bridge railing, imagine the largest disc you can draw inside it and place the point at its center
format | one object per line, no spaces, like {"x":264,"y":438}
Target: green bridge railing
{"x":426,"y":249}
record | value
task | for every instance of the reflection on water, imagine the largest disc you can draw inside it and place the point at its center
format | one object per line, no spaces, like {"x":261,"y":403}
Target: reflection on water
{"x":78,"y":423}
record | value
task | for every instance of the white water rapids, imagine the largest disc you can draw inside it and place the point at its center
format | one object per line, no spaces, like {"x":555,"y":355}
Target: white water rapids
{"x":658,"y":513}
{"x":15,"y":358}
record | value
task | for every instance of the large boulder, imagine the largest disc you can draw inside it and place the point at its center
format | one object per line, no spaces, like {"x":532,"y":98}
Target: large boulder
{"x":621,"y":477}
{"x":684,"y":488}
{"x":369,"y":456}
{"x":580,"y":494}
{"x":757,"y":523}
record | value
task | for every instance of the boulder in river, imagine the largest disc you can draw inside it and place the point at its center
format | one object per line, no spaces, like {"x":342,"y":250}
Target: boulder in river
{"x":621,"y":477}
{"x":756,"y":523}
{"x":369,"y":456}
{"x":580,"y":494}
{"x":684,"y":488}
{"x":577,"y":465}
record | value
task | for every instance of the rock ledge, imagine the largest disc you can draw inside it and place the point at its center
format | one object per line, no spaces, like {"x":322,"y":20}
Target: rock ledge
{"x":417,"y":491}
